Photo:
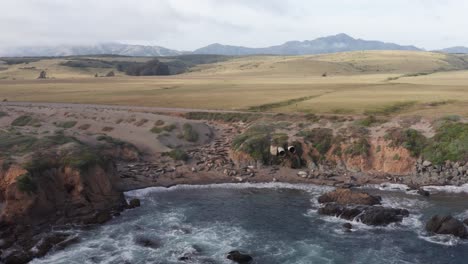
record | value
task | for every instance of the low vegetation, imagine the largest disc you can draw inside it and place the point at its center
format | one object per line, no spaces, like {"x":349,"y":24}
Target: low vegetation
{"x":24,"y":120}
{"x":410,"y":139}
{"x":359,"y":147}
{"x":255,"y":141}
{"x":178,"y":154}
{"x":368,"y":121}
{"x":189,"y":133}
{"x":65,"y":124}
{"x":270,"y":106}
{"x":25,"y":183}
{"x":3,"y":114}
{"x":321,"y":139}
{"x":391,"y":109}
{"x":449,"y":143}
{"x":225,"y":117}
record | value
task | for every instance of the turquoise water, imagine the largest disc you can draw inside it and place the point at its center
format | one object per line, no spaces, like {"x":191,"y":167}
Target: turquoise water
{"x":274,"y":223}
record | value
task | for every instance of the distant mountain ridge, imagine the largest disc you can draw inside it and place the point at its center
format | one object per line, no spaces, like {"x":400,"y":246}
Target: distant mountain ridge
{"x":457,"y":49}
{"x":99,"y":49}
{"x":331,"y":44}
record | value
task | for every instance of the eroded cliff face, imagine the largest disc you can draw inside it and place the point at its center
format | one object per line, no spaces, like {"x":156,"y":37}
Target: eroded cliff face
{"x":381,"y":158}
{"x":60,"y":195}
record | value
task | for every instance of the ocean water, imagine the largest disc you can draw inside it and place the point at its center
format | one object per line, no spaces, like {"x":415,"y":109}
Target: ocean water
{"x":274,"y":223}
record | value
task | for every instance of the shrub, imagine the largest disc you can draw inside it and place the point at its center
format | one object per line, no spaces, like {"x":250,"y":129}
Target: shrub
{"x":84,"y":127}
{"x":359,"y":147}
{"x":178,"y":154}
{"x":3,"y":114}
{"x":449,"y":143}
{"x":410,"y":139}
{"x":367,"y":122}
{"x":169,"y":128}
{"x":255,"y":141}
{"x":23,"y":120}
{"x":141,"y":122}
{"x":159,"y":123}
{"x":396,"y":157}
{"x":156,"y":130}
{"x":321,"y":138}
{"x":66,"y":124}
{"x":189,"y":134}
{"x":25,"y":183}
{"x":107,"y":129}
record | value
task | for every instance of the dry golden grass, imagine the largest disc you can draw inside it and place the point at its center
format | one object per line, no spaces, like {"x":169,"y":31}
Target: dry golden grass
{"x":356,"y":82}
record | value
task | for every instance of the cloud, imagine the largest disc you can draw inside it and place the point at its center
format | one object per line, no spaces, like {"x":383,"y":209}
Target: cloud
{"x":187,"y":24}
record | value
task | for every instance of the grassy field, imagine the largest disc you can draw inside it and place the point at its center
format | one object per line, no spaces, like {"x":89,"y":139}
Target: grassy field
{"x":381,"y":82}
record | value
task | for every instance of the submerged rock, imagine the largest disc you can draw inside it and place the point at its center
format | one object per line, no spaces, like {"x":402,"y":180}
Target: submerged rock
{"x":148,"y":242}
{"x":347,"y":196}
{"x":423,"y":192}
{"x":347,"y":226}
{"x":238,"y":257}
{"x":369,"y":215}
{"x":446,"y":225}
{"x":134,"y":203}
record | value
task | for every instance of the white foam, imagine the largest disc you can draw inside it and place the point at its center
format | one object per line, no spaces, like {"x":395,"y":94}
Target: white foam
{"x":447,"y":189}
{"x":272,"y":185}
{"x":446,"y":240}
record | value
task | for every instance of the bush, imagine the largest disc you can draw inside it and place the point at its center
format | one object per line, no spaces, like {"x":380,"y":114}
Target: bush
{"x":169,"y":128}
{"x":449,"y":143}
{"x":321,"y":138}
{"x":410,"y":139}
{"x":189,"y":134}
{"x":25,"y":183}
{"x":179,"y":154}
{"x":368,"y":121}
{"x":23,"y":120}
{"x":66,"y":124}
{"x":360,"y":147}
{"x":3,"y":114}
{"x":255,"y":141}
{"x":156,"y":130}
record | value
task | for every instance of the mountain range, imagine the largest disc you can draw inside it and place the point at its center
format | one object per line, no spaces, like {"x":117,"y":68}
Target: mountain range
{"x":330,"y":44}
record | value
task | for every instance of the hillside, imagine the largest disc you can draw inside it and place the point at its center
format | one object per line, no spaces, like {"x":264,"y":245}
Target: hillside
{"x":347,"y":63}
{"x":381,"y":82}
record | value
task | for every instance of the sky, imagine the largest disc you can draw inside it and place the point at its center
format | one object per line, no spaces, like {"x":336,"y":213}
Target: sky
{"x":191,"y":24}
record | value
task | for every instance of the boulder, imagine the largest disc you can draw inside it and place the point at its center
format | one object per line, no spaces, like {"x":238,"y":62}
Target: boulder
{"x":369,"y":215}
{"x":446,"y":225}
{"x":16,"y":257}
{"x":427,"y":163}
{"x":423,"y":192}
{"x":347,"y":226}
{"x":347,"y":196}
{"x":238,"y":257}
{"x":134,"y":203}
{"x":465,"y":221}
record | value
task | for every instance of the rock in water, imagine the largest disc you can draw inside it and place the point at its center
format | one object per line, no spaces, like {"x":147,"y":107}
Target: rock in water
{"x":134,"y":203}
{"x":423,"y":192}
{"x":238,"y":257}
{"x":347,"y":196}
{"x":148,"y":242}
{"x":369,"y":215}
{"x":347,"y":226}
{"x":446,"y":225}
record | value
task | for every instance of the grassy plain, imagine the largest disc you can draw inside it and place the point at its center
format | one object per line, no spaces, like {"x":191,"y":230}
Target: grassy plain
{"x":355,"y":83}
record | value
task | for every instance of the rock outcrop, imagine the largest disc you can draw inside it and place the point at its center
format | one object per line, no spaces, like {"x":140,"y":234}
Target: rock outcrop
{"x":447,"y":225}
{"x":239,"y":257}
{"x":369,"y":215}
{"x":347,"y":196}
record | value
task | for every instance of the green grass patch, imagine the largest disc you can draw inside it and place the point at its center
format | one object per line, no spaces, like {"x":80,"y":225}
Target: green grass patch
{"x":190,"y":134}
{"x":391,"y":109}
{"x":255,"y":141}
{"x":270,"y":106}
{"x":178,"y":154}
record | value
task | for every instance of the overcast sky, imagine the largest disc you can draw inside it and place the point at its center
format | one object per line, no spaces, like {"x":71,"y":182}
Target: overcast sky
{"x":191,"y":24}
